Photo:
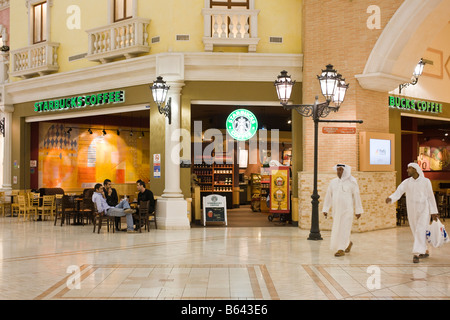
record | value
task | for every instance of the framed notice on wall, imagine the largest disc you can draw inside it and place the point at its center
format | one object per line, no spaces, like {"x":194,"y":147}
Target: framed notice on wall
{"x":214,"y":209}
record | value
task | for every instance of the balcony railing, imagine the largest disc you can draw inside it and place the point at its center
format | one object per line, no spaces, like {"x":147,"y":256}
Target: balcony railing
{"x":121,"y":39}
{"x":38,"y":59}
{"x":230,"y":27}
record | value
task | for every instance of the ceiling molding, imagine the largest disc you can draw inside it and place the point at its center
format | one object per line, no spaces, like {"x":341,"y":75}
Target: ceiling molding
{"x":258,"y":67}
{"x":402,"y":43}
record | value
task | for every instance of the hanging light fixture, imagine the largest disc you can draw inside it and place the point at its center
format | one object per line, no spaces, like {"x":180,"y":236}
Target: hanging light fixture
{"x":2,"y":126}
{"x":159,"y":91}
{"x":340,"y":92}
{"x":418,"y":70}
{"x":284,"y":85}
{"x":328,"y":82}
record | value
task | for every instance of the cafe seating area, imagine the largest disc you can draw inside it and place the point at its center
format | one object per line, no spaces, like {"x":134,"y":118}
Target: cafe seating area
{"x":442,"y":203}
{"x":68,"y":209}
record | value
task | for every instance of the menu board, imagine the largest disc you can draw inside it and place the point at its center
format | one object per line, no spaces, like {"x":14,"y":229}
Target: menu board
{"x":279,"y":190}
{"x":214,"y":209}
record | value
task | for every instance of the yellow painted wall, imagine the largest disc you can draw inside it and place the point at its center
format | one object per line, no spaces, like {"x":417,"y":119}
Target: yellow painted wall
{"x":280,"y":18}
{"x":168,"y":18}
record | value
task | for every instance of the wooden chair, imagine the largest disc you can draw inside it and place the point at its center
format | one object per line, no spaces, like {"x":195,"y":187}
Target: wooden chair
{"x":442,"y":205}
{"x":402,"y":215}
{"x":32,"y":204}
{"x":22,"y":206}
{"x":47,"y":207}
{"x":86,"y":210}
{"x":6,"y":203}
{"x":14,"y":202}
{"x":69,"y":209}
{"x":59,"y":208}
{"x":153,"y":214}
{"x":143,"y":215}
{"x":3,"y":203}
{"x":99,"y":218}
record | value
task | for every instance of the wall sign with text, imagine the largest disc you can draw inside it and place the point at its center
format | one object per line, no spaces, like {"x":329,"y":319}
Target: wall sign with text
{"x":417,"y":105}
{"x":93,"y":100}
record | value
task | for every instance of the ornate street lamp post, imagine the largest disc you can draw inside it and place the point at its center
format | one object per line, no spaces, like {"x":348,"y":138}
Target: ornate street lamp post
{"x":333,"y":88}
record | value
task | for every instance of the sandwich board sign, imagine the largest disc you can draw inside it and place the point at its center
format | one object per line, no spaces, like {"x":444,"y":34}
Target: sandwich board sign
{"x":214,"y":209}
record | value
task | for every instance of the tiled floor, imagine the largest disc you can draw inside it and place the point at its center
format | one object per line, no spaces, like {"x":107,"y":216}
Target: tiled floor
{"x":41,"y":261}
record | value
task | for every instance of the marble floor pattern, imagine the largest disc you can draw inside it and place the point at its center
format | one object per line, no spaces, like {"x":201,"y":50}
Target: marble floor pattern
{"x":40,"y":261}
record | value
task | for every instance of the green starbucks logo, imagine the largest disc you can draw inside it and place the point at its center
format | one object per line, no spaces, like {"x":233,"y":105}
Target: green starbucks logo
{"x":242,"y":124}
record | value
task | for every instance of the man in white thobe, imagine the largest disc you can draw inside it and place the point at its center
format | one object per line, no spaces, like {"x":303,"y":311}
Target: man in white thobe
{"x":420,"y":205}
{"x":343,"y":196}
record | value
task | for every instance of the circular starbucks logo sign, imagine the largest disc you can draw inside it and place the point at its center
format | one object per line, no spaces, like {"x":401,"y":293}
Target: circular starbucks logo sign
{"x":242,"y":124}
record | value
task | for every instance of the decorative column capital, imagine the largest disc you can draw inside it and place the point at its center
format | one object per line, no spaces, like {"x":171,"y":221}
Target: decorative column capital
{"x":6,"y":108}
{"x":175,"y":87}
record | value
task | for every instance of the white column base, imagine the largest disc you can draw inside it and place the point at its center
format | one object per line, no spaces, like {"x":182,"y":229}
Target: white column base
{"x":171,"y":214}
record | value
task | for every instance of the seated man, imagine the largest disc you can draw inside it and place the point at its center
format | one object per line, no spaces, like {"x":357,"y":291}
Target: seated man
{"x":122,"y":209}
{"x":112,"y":199}
{"x":145,"y":195}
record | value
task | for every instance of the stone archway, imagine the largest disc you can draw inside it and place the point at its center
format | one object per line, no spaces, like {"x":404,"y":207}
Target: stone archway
{"x":403,"y":41}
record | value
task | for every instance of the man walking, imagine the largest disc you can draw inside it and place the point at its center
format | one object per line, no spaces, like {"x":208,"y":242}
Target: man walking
{"x":420,"y":205}
{"x":343,"y":196}
{"x":122,"y":209}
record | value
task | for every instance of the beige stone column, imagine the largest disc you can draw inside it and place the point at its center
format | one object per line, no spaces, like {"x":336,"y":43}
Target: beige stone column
{"x":172,"y":207}
{"x":6,"y":112}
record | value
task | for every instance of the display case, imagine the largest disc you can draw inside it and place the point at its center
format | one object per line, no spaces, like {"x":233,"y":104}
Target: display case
{"x":279,"y":192}
{"x":255,"y":184}
{"x":215,"y":178}
{"x":204,"y":174}
{"x":265,"y":188}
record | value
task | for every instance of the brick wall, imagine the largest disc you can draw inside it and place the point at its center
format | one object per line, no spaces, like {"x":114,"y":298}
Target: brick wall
{"x":336,"y":32}
{"x":374,"y":188}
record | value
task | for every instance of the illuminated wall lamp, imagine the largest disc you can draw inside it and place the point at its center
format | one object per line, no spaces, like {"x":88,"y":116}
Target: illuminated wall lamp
{"x":415,"y":78}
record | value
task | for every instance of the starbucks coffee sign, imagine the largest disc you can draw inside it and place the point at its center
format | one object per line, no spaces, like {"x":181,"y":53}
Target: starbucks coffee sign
{"x":92,"y":100}
{"x":416,"y":105}
{"x":242,"y":125}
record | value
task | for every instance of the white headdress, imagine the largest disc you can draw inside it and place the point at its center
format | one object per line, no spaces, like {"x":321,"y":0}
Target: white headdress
{"x":347,"y":174}
{"x":417,"y":167}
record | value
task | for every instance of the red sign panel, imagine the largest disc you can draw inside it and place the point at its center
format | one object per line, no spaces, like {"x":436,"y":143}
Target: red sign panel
{"x":338,"y":130}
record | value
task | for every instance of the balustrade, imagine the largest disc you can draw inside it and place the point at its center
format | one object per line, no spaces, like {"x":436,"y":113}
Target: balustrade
{"x":38,"y":59}
{"x":230,"y":27}
{"x":121,"y":39}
